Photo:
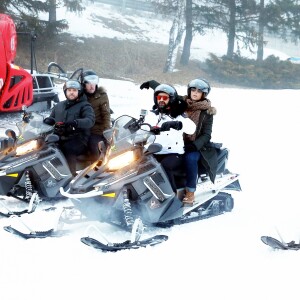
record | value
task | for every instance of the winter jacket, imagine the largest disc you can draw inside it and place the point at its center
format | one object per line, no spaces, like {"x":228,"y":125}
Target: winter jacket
{"x":171,"y":141}
{"x":209,"y":159}
{"x":100,"y":103}
{"x":79,"y":110}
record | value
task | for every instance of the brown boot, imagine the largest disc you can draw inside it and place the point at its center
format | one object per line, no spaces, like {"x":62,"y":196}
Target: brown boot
{"x":188,"y":199}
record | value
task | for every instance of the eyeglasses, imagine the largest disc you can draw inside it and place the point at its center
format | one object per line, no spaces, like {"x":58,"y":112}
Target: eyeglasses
{"x":193,"y":89}
{"x":162,"y":97}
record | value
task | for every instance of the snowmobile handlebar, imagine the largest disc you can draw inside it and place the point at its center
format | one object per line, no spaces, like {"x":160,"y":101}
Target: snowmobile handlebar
{"x":166,"y":126}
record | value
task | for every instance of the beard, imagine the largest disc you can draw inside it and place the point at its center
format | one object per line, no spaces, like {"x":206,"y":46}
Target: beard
{"x":163,"y":107}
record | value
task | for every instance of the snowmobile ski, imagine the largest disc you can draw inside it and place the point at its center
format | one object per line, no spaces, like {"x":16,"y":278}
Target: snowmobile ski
{"x":275,"y":244}
{"x":114,"y":247}
{"x":34,"y":201}
{"x":35,"y":234}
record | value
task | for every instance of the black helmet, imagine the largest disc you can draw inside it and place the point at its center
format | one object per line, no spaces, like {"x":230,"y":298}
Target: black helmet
{"x":168,"y":89}
{"x":73,"y":84}
{"x":89,"y":76}
{"x":200,"y":84}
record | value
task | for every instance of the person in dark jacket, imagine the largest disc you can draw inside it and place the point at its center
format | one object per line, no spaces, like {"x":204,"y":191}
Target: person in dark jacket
{"x":197,"y":146}
{"x":198,"y":150}
{"x":74,"y":117}
{"x":97,"y":97}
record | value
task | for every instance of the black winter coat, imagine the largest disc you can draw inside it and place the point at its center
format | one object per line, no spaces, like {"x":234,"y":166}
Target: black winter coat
{"x":209,"y":157}
{"x":79,"y":110}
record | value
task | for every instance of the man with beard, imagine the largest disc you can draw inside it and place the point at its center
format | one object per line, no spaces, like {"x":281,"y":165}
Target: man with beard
{"x":168,"y":115}
{"x":73,"y":118}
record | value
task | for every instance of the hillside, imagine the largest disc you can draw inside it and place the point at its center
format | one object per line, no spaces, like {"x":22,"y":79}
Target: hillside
{"x":128,"y":45}
{"x":110,"y":58}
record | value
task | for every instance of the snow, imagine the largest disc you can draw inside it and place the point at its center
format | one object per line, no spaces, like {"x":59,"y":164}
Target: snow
{"x":217,"y":258}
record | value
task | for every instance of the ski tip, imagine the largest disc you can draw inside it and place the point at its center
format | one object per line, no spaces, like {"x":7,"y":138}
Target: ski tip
{"x":273,"y":243}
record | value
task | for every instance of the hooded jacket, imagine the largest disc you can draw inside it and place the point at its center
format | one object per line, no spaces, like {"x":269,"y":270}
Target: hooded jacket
{"x":100,"y":104}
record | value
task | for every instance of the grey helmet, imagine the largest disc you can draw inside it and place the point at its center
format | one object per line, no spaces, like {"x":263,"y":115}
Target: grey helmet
{"x":73,"y":84}
{"x":89,"y":76}
{"x":168,"y":89}
{"x":200,"y":84}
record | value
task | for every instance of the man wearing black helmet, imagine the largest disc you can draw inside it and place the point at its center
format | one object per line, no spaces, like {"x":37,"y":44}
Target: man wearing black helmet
{"x":98,"y":99}
{"x":73,"y":118}
{"x":168,"y":116}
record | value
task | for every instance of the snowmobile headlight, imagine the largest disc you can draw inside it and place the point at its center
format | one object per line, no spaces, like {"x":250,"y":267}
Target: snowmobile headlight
{"x":27,"y":147}
{"x":121,"y":161}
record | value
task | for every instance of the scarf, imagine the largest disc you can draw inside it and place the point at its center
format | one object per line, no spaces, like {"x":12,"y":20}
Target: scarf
{"x":193,"y":111}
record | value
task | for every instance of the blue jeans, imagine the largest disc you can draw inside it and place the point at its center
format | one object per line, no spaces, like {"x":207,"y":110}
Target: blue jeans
{"x":191,"y":168}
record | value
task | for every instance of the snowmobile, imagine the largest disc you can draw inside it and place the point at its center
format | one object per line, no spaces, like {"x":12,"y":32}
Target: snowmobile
{"x":32,"y":167}
{"x":127,"y":182}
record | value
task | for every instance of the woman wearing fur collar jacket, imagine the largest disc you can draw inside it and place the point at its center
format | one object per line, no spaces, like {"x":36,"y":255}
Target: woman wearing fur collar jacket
{"x":197,"y":147}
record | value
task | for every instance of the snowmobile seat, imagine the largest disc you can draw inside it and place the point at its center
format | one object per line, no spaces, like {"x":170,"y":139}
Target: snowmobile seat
{"x":222,"y":156}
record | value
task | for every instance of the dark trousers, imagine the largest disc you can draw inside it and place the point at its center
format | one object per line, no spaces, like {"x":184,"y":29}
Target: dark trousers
{"x":171,"y":163}
{"x":93,"y":145}
{"x":71,"y":149}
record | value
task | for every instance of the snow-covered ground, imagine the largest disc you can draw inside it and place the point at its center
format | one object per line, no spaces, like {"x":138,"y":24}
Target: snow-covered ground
{"x":217,"y":258}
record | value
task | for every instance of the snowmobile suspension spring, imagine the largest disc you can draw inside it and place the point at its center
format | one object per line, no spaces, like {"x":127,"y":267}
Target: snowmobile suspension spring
{"x":127,"y":209}
{"x":28,"y":186}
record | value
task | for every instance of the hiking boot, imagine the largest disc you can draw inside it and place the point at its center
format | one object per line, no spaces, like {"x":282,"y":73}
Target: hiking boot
{"x":188,"y":199}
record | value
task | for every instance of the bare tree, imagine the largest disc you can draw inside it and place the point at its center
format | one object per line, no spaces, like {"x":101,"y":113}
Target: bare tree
{"x":260,"y":39}
{"x":176,"y":33}
{"x":186,"y":51}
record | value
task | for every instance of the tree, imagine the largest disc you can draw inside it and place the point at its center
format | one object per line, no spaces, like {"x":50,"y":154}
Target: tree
{"x":281,"y":17}
{"x":176,"y":33}
{"x":260,"y":39}
{"x":186,"y":51}
{"x":28,"y":11}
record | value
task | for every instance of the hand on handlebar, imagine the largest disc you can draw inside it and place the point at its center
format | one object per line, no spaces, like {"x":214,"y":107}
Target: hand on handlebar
{"x":166,"y":126}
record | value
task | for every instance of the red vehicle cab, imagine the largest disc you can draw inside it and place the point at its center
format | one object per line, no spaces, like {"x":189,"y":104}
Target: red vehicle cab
{"x":16,"y":87}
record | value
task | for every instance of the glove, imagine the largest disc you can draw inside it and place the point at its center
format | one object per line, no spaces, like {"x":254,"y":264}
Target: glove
{"x":49,"y":121}
{"x":166,"y":126}
{"x":155,"y":130}
{"x":145,"y":85}
{"x":190,"y":147}
{"x":71,"y":124}
{"x":59,"y":128}
{"x":26,"y":117}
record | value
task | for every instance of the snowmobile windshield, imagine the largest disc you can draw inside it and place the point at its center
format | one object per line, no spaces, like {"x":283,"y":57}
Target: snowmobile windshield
{"x":126,"y":133}
{"x":32,"y":128}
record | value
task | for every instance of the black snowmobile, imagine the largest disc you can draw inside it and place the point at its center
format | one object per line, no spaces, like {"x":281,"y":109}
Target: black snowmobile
{"x":127,"y":183}
{"x":32,"y":168}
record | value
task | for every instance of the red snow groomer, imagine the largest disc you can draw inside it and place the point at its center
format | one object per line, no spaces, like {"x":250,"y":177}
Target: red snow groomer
{"x":16,"y":85}
{"x":20,"y":87}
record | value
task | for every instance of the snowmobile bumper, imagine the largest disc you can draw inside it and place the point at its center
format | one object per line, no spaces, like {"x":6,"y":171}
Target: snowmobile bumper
{"x":90,"y":194}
